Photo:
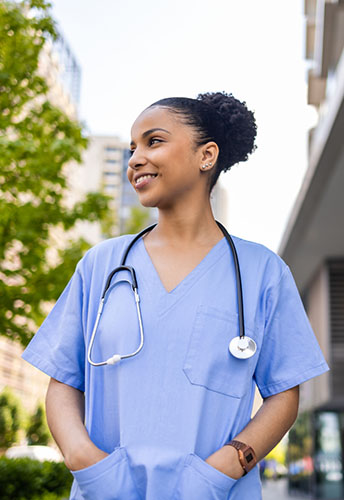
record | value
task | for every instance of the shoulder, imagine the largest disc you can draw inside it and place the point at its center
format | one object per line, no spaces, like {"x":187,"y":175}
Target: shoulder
{"x":260,"y":260}
{"x":104,"y":253}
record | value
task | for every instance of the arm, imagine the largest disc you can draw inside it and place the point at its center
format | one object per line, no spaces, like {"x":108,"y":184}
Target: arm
{"x":264,"y":431}
{"x":65,"y":415}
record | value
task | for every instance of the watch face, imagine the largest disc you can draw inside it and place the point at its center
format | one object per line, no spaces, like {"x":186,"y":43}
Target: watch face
{"x":246,"y":454}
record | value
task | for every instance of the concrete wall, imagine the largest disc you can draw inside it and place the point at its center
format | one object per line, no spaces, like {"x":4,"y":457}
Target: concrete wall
{"x":316,"y":391}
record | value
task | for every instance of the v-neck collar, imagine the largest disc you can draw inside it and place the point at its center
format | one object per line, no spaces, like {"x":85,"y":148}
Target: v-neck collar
{"x":154,"y":284}
{"x":189,"y":276}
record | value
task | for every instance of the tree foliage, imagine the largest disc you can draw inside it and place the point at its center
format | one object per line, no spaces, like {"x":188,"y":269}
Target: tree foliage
{"x":37,"y":141}
{"x":27,"y":479}
{"x":137,"y":221}
{"x":11,"y":418}
{"x":37,"y":431}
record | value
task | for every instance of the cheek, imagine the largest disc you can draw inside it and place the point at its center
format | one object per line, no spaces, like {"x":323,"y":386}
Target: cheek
{"x":130,"y":174}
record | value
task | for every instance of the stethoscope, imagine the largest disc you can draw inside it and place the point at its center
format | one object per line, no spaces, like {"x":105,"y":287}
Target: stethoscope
{"x":241,"y":347}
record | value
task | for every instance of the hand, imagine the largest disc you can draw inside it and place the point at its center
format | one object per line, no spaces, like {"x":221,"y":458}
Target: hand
{"x":226,"y":461}
{"x":84,"y":456}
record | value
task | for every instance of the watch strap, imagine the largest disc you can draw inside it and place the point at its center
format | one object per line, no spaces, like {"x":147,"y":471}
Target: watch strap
{"x":246,"y":454}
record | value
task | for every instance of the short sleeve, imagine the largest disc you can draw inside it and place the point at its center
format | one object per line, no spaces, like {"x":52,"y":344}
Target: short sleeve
{"x":290,"y":353}
{"x":58,"y":347}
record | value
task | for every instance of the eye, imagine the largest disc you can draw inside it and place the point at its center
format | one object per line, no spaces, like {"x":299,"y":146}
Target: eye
{"x":131,"y":152}
{"x":154,"y":140}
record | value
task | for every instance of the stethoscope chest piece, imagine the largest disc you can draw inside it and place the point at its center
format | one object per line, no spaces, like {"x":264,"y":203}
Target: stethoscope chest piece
{"x":242,"y":347}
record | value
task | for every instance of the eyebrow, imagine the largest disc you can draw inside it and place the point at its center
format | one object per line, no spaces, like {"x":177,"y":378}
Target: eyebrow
{"x":150,"y":131}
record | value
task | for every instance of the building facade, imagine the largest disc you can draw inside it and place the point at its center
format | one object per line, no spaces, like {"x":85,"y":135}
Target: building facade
{"x":60,"y":69}
{"x":313,"y":247}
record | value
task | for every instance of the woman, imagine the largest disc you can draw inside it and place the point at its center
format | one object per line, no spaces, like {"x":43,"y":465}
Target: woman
{"x":159,"y":424}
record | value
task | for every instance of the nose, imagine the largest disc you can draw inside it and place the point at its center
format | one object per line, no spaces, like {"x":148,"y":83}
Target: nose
{"x":136,"y":160}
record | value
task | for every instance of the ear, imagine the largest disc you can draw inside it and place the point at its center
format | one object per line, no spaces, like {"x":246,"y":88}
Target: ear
{"x":209,"y":155}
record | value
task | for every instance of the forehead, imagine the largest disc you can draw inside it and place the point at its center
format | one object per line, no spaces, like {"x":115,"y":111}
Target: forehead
{"x":156,"y":117}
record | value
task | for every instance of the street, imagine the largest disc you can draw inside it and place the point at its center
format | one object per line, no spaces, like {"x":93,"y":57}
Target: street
{"x":277,"y":490}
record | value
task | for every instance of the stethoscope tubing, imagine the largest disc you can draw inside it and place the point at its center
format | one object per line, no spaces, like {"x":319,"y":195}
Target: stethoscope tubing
{"x":134,"y":240}
{"x":238,"y":280}
{"x":115,"y":358}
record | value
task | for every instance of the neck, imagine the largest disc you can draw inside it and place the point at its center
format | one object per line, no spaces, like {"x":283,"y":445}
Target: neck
{"x":187,"y":225}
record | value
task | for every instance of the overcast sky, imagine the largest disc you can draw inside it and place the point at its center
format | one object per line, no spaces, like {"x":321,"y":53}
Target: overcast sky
{"x":134,"y":52}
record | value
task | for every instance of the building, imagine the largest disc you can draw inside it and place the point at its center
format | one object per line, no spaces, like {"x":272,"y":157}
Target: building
{"x":62,"y":73}
{"x":313,"y":247}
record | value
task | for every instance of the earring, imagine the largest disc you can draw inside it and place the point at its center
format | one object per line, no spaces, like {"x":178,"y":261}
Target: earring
{"x":205,"y":166}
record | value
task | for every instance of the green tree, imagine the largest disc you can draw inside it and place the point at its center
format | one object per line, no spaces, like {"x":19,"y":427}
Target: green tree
{"x":11,"y":418}
{"x":137,"y":221}
{"x":37,"y":141}
{"x":37,"y":431}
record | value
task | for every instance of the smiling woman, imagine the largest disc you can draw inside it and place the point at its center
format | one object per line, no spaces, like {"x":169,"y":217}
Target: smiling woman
{"x":172,"y":420}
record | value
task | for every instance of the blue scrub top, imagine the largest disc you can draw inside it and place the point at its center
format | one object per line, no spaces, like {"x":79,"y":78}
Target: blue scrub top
{"x":160,"y":414}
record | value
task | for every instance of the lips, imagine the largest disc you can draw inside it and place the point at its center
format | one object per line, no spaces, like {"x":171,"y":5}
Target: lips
{"x":141,"y":178}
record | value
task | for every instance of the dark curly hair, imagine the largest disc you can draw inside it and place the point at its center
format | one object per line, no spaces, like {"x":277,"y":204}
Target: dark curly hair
{"x":221,"y":118}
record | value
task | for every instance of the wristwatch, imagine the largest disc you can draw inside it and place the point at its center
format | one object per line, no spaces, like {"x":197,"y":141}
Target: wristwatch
{"x":247,"y":456}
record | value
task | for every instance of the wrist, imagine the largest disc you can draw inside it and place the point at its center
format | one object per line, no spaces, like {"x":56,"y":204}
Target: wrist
{"x":226,"y":461}
{"x":82,"y":455}
{"x":246,"y":455}
{"x":234,"y":467}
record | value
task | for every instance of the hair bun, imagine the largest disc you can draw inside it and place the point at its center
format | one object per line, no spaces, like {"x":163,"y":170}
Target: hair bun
{"x":239,"y":122}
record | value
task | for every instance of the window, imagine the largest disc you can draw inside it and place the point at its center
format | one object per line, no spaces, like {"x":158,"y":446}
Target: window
{"x":110,"y":187}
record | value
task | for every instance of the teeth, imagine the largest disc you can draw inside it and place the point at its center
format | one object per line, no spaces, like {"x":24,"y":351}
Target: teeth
{"x":147,"y":176}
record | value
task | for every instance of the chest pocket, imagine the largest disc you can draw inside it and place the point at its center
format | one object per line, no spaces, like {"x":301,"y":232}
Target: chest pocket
{"x":208,"y":362}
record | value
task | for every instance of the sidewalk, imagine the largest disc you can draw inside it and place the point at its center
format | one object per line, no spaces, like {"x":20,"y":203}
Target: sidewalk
{"x":277,"y":490}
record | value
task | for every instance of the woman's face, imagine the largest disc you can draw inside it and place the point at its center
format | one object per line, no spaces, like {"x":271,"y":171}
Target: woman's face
{"x":165,"y":164}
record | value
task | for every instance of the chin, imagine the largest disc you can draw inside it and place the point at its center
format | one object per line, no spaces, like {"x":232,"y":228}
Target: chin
{"x":151,"y":202}
{"x":148,"y":203}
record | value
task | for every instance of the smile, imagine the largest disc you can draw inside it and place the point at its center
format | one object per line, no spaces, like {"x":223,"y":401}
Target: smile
{"x":143,"y":178}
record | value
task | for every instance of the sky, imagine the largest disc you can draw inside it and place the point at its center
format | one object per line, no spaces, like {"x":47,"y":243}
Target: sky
{"x":135,"y":52}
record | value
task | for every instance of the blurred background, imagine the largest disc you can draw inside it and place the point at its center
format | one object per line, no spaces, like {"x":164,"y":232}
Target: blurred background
{"x":74,"y":75}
